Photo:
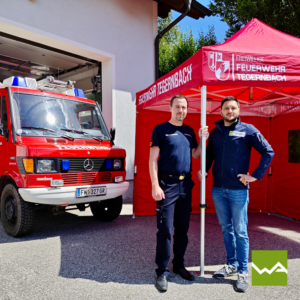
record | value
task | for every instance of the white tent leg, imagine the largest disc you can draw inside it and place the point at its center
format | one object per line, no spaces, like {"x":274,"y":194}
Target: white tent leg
{"x":203,"y":168}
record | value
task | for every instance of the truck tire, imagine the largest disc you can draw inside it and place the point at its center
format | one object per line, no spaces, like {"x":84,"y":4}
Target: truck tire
{"x":107,"y":210}
{"x":17,"y":216}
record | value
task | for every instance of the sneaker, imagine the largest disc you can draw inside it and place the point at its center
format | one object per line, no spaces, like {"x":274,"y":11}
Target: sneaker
{"x":226,"y":271}
{"x":242,"y":284}
{"x":162,"y":283}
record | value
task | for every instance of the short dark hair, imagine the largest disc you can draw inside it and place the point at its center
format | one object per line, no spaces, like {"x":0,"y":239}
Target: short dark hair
{"x":179,"y":97}
{"x":230,"y":98}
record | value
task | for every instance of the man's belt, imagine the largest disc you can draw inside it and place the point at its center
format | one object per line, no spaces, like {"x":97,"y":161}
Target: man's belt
{"x":177,"y":177}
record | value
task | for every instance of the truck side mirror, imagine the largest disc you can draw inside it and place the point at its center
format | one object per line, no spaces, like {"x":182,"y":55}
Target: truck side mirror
{"x":113,"y":133}
{"x":3,"y":131}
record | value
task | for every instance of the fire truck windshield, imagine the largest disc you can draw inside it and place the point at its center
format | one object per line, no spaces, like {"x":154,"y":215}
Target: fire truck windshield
{"x":81,"y":120}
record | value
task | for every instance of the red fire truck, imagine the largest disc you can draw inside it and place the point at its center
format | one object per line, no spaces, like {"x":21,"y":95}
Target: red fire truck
{"x":55,"y":150}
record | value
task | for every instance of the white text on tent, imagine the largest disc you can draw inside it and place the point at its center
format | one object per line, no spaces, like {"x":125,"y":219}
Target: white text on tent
{"x":260,"y":77}
{"x":261,"y":68}
{"x":177,"y":79}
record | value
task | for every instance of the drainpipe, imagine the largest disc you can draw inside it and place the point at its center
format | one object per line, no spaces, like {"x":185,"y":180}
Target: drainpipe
{"x":160,"y":35}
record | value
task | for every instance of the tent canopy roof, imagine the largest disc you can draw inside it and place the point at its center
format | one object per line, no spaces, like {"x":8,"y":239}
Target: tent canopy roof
{"x":259,"y":65}
{"x":260,"y":38}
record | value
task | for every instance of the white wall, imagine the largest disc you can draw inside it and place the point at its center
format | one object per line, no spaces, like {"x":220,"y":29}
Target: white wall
{"x":120,"y":33}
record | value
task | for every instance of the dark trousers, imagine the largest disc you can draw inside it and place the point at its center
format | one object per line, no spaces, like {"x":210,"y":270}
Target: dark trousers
{"x":173,"y":211}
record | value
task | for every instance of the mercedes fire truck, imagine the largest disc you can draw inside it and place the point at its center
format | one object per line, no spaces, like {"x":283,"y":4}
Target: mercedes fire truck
{"x":55,"y":150}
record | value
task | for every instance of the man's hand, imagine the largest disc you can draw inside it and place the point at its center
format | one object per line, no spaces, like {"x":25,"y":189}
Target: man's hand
{"x":204,"y":132}
{"x":157,"y":193}
{"x":246,"y":178}
{"x":200,"y":177}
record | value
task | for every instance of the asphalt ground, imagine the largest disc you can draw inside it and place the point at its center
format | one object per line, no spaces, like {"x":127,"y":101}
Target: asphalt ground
{"x":74,"y":256}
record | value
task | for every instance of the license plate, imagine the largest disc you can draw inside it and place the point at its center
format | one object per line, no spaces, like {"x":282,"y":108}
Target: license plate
{"x":100,"y":191}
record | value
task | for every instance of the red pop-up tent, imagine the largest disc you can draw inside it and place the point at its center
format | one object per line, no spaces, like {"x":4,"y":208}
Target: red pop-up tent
{"x":260,"y":66}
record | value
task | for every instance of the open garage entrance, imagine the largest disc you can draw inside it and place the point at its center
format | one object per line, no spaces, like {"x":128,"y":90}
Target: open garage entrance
{"x":26,"y":58}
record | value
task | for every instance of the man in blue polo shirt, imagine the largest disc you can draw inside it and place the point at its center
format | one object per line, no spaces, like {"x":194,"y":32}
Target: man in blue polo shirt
{"x":173,"y":144}
{"x":229,"y":146}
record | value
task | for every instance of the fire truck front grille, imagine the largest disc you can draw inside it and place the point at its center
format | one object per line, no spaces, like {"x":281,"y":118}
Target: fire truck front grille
{"x":89,"y":177}
{"x":70,"y":179}
{"x":76,"y":164}
{"x":86,"y":178}
{"x":104,"y":177}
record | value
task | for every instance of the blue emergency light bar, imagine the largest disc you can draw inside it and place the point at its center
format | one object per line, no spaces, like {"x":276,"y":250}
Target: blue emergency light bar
{"x":65,"y":165}
{"x":79,"y":93}
{"x":49,"y":84}
{"x":15,"y":81}
{"x":19,"y":81}
{"x":75,"y":92}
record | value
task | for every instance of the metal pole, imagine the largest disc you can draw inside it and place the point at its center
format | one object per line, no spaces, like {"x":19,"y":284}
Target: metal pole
{"x":203,"y":168}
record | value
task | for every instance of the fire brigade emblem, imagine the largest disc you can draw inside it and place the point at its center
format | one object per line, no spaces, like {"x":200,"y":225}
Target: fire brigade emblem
{"x":218,"y":65}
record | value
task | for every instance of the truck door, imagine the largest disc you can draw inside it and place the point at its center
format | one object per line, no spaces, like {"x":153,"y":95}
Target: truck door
{"x":3,"y":133}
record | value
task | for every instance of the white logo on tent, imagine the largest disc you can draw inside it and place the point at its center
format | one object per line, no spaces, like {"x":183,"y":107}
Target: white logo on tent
{"x":218,"y":65}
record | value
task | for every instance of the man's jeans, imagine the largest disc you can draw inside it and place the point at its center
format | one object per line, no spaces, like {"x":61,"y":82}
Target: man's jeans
{"x":231,"y":207}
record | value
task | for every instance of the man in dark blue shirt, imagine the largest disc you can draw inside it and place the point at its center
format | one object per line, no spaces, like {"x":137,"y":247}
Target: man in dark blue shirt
{"x":229,"y":147}
{"x":173,"y":144}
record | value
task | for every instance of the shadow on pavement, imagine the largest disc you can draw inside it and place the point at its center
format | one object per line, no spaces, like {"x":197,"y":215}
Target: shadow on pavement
{"x":123,"y":250}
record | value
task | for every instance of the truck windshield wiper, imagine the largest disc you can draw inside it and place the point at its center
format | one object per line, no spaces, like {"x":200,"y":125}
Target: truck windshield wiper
{"x":97,"y":138}
{"x":74,"y":131}
{"x":50,"y":130}
{"x":82,"y":132}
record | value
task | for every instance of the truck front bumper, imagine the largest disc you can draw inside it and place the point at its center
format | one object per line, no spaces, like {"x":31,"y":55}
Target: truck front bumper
{"x":67,"y":195}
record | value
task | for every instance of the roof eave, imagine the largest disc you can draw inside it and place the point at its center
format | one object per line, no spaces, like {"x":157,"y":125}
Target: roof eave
{"x":197,"y":10}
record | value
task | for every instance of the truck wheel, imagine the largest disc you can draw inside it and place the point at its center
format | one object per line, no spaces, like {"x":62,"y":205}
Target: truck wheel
{"x":17,"y":216}
{"x":107,"y":210}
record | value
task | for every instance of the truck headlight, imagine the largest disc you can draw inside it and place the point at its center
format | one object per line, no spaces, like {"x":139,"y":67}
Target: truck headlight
{"x":45,"y":165}
{"x":117,"y":164}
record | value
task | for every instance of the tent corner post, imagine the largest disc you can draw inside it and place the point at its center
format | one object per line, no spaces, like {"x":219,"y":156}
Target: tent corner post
{"x":203,"y":169}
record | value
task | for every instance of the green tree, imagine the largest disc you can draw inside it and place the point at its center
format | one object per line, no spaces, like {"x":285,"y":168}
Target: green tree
{"x":283,"y":15}
{"x":177,"y":46}
{"x":173,"y":33}
{"x":207,"y":39}
{"x":167,"y":44}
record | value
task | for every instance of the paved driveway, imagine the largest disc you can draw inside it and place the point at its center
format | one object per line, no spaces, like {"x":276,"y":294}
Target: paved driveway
{"x":73,"y":256}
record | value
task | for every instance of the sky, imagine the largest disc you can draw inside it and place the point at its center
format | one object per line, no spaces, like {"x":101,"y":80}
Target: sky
{"x":202,"y":24}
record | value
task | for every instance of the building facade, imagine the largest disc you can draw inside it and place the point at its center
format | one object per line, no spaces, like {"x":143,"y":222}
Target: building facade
{"x":117,"y":33}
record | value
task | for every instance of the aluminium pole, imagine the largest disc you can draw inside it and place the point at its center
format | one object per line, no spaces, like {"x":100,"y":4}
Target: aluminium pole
{"x":203,"y":168}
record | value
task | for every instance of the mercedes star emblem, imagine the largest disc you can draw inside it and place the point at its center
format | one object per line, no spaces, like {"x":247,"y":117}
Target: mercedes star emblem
{"x":88,"y":165}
